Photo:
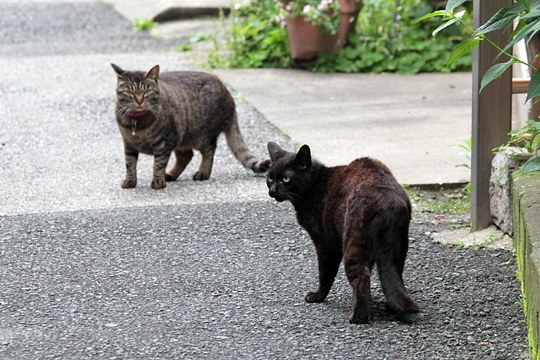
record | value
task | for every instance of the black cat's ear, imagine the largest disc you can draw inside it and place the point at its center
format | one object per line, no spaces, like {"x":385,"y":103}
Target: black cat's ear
{"x":275,"y":151}
{"x":118,"y":70}
{"x":153,"y":73}
{"x":303,"y":157}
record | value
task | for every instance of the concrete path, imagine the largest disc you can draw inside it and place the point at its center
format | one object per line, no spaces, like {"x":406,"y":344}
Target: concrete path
{"x":412,"y":123}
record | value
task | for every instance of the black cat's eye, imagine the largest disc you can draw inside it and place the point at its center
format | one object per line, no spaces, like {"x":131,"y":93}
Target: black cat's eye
{"x":269,"y":179}
{"x":286,"y":179}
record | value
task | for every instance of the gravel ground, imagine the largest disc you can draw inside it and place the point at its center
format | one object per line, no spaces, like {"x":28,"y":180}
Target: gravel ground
{"x":199,"y":270}
{"x":227,"y":281}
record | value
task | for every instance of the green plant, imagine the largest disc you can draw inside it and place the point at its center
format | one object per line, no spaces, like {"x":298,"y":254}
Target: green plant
{"x":527,"y":137}
{"x":184,"y":47}
{"x":254,"y":37}
{"x":466,"y":145}
{"x":143,"y":24}
{"x":526,"y":12}
{"x":460,"y":245}
{"x":384,"y":39}
{"x":387,"y":38}
{"x":322,"y":13}
{"x":442,"y":201}
{"x":527,"y":15}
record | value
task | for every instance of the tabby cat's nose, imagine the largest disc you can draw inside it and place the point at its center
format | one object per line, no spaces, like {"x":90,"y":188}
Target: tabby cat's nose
{"x":139,"y":99}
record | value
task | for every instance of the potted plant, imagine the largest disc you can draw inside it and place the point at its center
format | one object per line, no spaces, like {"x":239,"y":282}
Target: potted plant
{"x":314,"y":26}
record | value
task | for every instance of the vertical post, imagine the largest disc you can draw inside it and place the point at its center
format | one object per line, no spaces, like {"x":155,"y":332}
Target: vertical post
{"x":491,"y":112}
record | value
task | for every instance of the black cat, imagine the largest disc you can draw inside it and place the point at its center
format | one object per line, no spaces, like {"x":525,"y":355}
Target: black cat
{"x":357,"y":212}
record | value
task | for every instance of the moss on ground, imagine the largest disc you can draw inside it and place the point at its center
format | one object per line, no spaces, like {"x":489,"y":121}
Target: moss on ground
{"x":440,"y":201}
{"x":526,"y":215}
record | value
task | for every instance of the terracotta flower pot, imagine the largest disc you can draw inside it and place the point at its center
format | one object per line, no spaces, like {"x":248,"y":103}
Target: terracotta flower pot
{"x":306,"y":41}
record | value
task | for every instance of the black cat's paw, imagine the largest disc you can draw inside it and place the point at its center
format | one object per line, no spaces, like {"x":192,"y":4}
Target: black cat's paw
{"x":158,"y":184}
{"x":358,"y":318}
{"x":200,"y":175}
{"x":128,"y":184}
{"x":314,"y":297}
{"x":405,"y":305}
{"x":169,"y":177}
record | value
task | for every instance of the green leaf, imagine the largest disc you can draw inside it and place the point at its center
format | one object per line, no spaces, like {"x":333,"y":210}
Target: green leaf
{"x":494,"y":72}
{"x":531,"y":165}
{"x":501,"y":19}
{"x":529,"y":29}
{"x":452,"y":4}
{"x":430,"y":15}
{"x":457,"y":17}
{"x":533,"y":14}
{"x":534,"y":86}
{"x":462,"y":49}
{"x":520,"y":25}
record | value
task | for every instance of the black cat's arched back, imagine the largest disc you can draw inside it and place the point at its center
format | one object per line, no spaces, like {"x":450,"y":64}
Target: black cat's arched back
{"x":358,"y":213}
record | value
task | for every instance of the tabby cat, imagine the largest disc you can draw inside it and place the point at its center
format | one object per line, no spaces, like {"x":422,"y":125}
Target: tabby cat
{"x":357,"y":212}
{"x":176,"y":111}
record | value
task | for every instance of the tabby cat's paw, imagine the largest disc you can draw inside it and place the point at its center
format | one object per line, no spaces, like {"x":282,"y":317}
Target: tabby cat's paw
{"x":158,"y":184}
{"x":264,"y":165}
{"x":128,"y":184}
{"x":314,"y":297}
{"x":199,"y":175}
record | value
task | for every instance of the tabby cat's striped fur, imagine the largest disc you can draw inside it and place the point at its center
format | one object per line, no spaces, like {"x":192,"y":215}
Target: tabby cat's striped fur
{"x":176,"y":111}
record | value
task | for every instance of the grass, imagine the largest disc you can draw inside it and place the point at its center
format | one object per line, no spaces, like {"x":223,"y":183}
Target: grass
{"x":459,"y":245}
{"x":143,"y":24}
{"x":440,"y":201}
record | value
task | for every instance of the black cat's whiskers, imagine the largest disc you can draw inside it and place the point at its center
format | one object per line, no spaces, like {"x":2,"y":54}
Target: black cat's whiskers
{"x":295,"y":199}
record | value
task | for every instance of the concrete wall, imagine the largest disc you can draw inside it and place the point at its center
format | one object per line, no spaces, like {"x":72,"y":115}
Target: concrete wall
{"x":526,"y":205}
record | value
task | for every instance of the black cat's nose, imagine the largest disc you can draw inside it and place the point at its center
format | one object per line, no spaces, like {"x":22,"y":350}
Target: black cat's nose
{"x":274,"y":194}
{"x":272,"y":190}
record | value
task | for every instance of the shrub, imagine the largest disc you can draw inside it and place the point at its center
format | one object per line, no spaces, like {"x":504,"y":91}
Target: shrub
{"x":385,"y":39}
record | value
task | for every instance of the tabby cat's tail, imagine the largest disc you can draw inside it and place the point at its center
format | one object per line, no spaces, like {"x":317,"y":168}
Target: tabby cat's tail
{"x":241,"y":151}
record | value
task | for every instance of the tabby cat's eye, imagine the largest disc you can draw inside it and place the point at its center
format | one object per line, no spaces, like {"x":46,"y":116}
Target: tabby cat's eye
{"x":286,"y":179}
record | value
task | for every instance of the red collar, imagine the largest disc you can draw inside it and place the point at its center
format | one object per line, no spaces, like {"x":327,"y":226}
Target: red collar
{"x":135,"y":114}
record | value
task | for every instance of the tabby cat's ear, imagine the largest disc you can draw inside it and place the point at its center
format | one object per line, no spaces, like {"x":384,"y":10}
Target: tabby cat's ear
{"x":303,"y":158}
{"x":275,"y":151}
{"x":117,"y":69}
{"x":153,"y":73}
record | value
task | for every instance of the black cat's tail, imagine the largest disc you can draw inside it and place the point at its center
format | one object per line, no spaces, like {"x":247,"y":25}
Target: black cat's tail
{"x":238,"y":146}
{"x":397,"y":297}
{"x":390,"y":264}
